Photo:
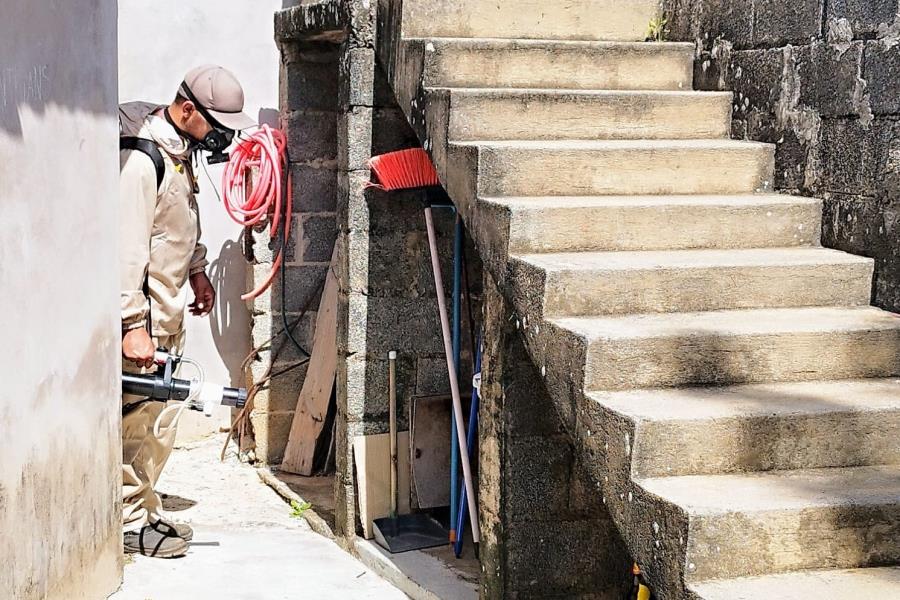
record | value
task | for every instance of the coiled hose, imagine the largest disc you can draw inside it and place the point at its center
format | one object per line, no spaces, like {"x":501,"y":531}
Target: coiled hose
{"x":265,"y":150}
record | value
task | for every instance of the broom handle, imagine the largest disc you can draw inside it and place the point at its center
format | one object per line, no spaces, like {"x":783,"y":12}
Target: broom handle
{"x":454,"y":383}
{"x":392,"y":357}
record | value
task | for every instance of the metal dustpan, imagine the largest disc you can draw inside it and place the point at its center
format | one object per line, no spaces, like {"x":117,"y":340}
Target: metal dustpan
{"x":405,"y":532}
{"x":409,"y":532}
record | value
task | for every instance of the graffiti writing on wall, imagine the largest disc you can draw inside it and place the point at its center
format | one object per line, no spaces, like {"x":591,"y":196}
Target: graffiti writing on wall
{"x":30,"y":85}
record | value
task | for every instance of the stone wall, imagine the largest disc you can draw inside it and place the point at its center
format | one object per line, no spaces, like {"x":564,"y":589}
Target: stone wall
{"x":546,"y":531}
{"x":340,"y":111}
{"x":60,"y":411}
{"x":819,"y":79}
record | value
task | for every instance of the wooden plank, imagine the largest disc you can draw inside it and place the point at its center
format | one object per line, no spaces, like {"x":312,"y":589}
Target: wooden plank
{"x":430,"y":435}
{"x":372,"y":457}
{"x":312,"y":405}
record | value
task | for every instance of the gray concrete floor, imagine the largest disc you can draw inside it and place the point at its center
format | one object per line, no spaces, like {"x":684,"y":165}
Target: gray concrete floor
{"x":246,"y":545}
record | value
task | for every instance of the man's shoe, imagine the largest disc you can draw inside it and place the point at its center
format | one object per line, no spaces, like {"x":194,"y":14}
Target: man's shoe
{"x":151,"y":542}
{"x":174,"y":529}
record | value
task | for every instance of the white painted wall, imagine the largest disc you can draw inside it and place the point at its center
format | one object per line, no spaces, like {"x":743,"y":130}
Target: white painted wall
{"x":158,"y":43}
{"x":60,"y":408}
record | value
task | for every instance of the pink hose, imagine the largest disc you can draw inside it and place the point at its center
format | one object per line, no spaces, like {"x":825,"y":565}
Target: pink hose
{"x":266,"y":150}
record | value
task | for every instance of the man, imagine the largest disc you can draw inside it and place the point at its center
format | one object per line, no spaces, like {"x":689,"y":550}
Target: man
{"x":160,"y":252}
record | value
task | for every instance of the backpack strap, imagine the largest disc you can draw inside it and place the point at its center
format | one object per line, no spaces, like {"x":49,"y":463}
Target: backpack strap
{"x":150,"y":149}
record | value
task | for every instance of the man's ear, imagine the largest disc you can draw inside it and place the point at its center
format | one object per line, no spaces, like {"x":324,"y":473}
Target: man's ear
{"x":187,"y":110}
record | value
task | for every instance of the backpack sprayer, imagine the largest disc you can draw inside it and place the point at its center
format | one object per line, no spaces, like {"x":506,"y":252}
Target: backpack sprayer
{"x":196,"y":394}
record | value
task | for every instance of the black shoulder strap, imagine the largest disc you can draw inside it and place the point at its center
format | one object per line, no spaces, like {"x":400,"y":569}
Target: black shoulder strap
{"x":150,"y":149}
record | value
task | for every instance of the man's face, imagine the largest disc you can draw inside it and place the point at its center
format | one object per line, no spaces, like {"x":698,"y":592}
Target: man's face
{"x":193,"y":122}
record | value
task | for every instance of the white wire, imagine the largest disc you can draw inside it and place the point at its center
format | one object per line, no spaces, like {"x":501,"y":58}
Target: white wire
{"x":181,"y":407}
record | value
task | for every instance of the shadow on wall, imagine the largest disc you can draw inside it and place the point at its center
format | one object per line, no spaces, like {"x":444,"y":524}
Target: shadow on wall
{"x":270,"y":117}
{"x":229,"y":320}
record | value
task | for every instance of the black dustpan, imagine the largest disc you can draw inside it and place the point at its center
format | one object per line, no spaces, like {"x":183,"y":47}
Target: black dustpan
{"x":409,"y":532}
{"x":404,"y":532}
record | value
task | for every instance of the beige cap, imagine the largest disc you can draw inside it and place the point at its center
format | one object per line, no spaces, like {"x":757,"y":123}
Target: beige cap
{"x":218,"y":91}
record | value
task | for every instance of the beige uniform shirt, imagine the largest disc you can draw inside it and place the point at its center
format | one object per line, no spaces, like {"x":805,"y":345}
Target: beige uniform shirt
{"x":159,"y":227}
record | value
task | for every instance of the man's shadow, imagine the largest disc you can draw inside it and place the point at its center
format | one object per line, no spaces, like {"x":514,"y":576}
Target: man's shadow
{"x":230,"y":320}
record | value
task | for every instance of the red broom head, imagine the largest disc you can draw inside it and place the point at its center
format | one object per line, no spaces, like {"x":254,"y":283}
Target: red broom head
{"x":404,"y":170}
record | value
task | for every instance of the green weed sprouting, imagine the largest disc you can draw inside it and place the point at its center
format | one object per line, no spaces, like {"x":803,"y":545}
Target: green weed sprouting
{"x":657,"y":30}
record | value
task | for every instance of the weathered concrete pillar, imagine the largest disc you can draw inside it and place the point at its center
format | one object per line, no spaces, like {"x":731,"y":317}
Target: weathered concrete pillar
{"x":546,"y":531}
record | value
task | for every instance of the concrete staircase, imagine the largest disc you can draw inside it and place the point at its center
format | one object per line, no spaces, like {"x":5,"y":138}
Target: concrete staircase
{"x":722,"y":372}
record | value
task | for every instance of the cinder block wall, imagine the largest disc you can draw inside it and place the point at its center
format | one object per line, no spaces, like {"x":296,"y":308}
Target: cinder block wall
{"x":309,"y":113}
{"x":546,"y":530}
{"x":819,"y":79}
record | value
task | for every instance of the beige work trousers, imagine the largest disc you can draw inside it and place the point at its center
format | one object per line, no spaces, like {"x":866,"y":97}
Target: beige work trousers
{"x":143,"y":454}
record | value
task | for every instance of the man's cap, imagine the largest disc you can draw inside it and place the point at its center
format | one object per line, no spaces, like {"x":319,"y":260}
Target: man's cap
{"x":218,"y":91}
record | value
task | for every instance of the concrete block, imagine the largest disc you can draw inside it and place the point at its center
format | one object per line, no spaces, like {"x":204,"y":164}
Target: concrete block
{"x":315,"y":188}
{"x":431,"y":377}
{"x":556,"y":558}
{"x":271,"y":431}
{"x":391,"y":131}
{"x":355,"y":138}
{"x":358,"y":77}
{"x":352,"y":205}
{"x":881,"y":72}
{"x":756,"y":78}
{"x":830,"y":78}
{"x":304,"y":283}
{"x":864,"y":15}
{"x":264,"y":248}
{"x":730,"y":20}
{"x":777,"y":23}
{"x":410,"y":324}
{"x":538,"y":470}
{"x":847,"y":155}
{"x":310,"y":80}
{"x":282,"y":392}
{"x":312,"y":136}
{"x":319,"y":233}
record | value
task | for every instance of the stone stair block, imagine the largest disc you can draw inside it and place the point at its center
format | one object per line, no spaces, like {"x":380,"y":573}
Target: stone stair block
{"x":737,"y":346}
{"x":562,"y":19}
{"x":838,"y":584}
{"x":554,"y":64}
{"x":761,"y":427}
{"x":610,"y":283}
{"x":528,"y":114}
{"x":574,"y":224}
{"x":621,"y":167}
{"x":753,"y":524}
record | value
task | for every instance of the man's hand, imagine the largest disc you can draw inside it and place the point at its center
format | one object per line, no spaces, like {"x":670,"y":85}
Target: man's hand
{"x":138,"y":347}
{"x":204,"y":295}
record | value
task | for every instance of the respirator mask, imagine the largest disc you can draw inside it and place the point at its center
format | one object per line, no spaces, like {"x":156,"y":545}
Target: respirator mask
{"x":218,"y":139}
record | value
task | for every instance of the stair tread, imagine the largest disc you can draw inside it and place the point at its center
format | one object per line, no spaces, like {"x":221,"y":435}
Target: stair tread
{"x":646,"y":144}
{"x":732,"y":322}
{"x":545,"y":202}
{"x":842,"y":584}
{"x":755,"y":400}
{"x":692,"y":259}
{"x":488,"y":42}
{"x":562,"y":93}
{"x":779,"y":490}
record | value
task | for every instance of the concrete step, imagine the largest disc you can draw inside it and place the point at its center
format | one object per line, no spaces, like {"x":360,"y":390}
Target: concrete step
{"x":616,"y":283}
{"x":621,"y":167}
{"x":573,"y":224}
{"x":762,"y":427}
{"x":838,"y":584}
{"x":523,"y":114}
{"x":754,"y":524}
{"x":554,"y":64}
{"x":612,"y":20}
{"x":737,"y":346}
